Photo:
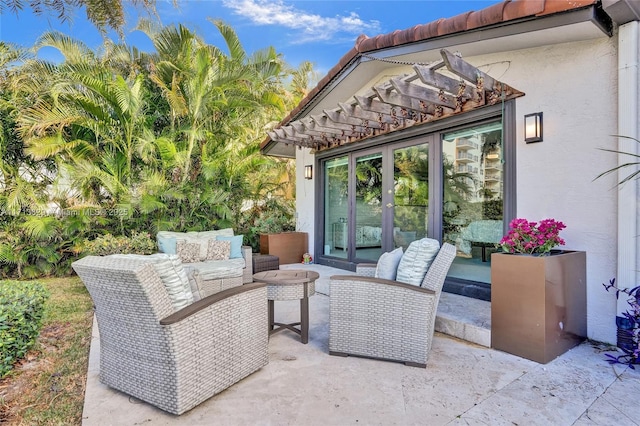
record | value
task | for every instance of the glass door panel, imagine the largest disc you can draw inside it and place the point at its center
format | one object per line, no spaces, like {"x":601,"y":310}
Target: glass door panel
{"x":411,"y":194}
{"x":336,"y":231}
{"x":368,"y":207}
{"x":472,"y":217}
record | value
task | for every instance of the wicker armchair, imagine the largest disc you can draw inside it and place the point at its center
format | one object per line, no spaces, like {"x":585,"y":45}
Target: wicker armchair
{"x":172,"y":359}
{"x":383,"y":319}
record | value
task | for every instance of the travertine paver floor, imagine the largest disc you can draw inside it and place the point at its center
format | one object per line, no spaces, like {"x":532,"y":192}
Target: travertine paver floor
{"x":463,"y":384}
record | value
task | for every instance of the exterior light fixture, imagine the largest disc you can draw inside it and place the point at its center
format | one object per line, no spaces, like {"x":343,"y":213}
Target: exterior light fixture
{"x":533,"y":127}
{"x":308,"y":171}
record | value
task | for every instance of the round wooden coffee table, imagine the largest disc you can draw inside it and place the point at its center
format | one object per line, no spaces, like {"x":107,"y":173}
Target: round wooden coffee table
{"x":290,"y":284}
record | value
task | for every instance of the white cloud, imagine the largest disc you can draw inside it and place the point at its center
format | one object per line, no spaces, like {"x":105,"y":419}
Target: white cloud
{"x":311,"y":27}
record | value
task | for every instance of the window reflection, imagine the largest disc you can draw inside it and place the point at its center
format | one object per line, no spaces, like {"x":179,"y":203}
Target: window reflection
{"x":472,"y":208}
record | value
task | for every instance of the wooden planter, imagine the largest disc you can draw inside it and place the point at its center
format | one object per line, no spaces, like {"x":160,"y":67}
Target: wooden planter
{"x":288,"y":246}
{"x":538,"y":304}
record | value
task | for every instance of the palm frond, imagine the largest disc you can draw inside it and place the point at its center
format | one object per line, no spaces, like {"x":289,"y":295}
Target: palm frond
{"x":41,"y":228}
{"x":236,"y":51}
{"x":73,"y":50}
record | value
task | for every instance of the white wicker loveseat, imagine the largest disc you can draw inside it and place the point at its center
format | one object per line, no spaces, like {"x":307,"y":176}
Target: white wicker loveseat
{"x":386,"y":319}
{"x":172,"y":358}
{"x":215,"y":275}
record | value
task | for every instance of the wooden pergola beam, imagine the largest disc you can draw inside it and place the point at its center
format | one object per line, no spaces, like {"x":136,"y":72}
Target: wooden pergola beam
{"x":463,"y":69}
{"x":423,"y":94}
{"x":440,"y":81}
{"x":403,"y":101}
{"x":324,"y":121}
{"x":358,"y":112}
{"x":400,"y":102}
{"x":339,"y":116}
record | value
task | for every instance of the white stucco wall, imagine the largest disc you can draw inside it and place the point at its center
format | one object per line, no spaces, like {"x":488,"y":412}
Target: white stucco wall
{"x":305,"y":208}
{"x":575,"y":86}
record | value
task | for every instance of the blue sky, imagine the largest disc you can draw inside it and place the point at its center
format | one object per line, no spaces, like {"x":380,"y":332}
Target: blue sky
{"x":317,"y":31}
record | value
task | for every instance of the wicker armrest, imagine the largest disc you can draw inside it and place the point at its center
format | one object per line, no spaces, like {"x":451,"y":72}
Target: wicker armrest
{"x":363,"y":279}
{"x":207,"y":301}
{"x":366,"y":269}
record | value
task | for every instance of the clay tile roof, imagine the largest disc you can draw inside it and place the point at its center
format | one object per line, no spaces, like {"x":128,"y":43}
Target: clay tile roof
{"x":522,"y":8}
{"x":503,"y":11}
{"x":488,"y":16}
{"x":453,"y":25}
{"x":563,"y":6}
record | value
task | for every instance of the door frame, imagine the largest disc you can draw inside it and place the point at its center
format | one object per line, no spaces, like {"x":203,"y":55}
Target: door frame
{"x":414,"y":136}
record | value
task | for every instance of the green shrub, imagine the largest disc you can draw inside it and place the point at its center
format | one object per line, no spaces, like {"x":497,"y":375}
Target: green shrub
{"x":492,"y":209}
{"x":271,"y":216}
{"x":138,"y":243}
{"x":21,"y":310}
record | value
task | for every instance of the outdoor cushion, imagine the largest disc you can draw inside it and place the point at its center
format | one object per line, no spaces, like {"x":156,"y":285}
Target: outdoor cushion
{"x":167,"y":244}
{"x":194,"y":282}
{"x":387,"y":266}
{"x":236,"y":245}
{"x":173,"y":276}
{"x":202,"y":244}
{"x":188,"y":251}
{"x":228,"y":232}
{"x":216,"y":269}
{"x":416,"y":261}
{"x":192,"y":237}
{"x":218,"y":250}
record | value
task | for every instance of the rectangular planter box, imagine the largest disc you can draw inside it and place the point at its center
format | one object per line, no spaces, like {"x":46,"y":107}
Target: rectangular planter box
{"x":288,"y":246}
{"x":538,"y":304}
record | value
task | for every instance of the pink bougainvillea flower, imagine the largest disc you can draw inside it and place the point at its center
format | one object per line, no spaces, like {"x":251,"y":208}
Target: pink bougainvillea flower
{"x":532,"y":237}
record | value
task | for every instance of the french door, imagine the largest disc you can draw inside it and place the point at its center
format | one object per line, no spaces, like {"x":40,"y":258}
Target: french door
{"x":376,"y":200}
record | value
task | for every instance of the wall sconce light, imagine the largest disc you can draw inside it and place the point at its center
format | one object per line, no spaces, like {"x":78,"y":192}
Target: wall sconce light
{"x":533,"y":127}
{"x":308,"y":171}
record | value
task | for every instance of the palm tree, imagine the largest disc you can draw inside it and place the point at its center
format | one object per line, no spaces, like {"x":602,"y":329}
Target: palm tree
{"x":219,"y":104}
{"x":85,"y":115}
{"x":103,"y":14}
{"x":211,"y":95}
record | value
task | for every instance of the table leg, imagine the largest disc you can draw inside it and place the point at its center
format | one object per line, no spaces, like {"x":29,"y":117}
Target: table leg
{"x":270,"y":303}
{"x":304,"y":315}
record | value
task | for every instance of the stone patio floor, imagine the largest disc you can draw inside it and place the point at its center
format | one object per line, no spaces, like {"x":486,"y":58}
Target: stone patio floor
{"x":465,"y":383}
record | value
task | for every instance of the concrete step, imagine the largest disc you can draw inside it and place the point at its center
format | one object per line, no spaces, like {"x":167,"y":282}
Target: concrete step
{"x":465,"y":318}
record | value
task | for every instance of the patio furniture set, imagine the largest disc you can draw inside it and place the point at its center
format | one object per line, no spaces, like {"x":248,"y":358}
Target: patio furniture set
{"x":174,"y":333}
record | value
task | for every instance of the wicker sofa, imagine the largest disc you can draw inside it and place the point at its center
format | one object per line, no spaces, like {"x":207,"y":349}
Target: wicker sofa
{"x":172,"y":358}
{"x":385,"y":319}
{"x":214,"y":275}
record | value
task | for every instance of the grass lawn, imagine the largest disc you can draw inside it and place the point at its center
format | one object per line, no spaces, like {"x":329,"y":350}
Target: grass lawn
{"x":47,"y":387}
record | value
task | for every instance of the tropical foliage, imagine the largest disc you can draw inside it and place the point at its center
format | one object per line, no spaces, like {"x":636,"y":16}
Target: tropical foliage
{"x":628,"y":326}
{"x":104,"y":14}
{"x":116,"y":141}
{"x":21,"y":310}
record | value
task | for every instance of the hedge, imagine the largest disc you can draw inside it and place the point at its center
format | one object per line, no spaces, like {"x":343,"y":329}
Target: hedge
{"x":21,"y":312}
{"x":138,"y":243}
